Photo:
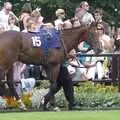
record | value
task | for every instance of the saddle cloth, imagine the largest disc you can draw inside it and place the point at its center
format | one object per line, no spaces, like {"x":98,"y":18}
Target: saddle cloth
{"x":46,"y":38}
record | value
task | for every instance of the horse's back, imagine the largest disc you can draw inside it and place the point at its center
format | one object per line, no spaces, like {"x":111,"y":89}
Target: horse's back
{"x":9,"y":48}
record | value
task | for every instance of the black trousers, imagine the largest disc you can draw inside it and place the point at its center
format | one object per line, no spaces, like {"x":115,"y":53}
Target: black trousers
{"x":115,"y":69}
{"x":64,"y":80}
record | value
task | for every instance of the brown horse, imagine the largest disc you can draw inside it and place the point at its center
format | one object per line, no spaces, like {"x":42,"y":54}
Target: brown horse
{"x":16,"y":46}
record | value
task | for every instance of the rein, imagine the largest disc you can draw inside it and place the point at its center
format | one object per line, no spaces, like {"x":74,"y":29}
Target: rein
{"x":64,"y":46}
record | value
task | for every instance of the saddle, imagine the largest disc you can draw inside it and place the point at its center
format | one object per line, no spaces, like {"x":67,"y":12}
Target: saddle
{"x":46,"y":38}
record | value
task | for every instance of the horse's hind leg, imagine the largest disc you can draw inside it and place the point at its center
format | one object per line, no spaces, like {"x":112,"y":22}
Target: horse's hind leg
{"x":54,"y":88}
{"x":12,"y":89}
{"x":3,"y":90}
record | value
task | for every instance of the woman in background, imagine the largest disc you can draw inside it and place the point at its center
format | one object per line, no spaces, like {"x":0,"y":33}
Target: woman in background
{"x":12,"y":24}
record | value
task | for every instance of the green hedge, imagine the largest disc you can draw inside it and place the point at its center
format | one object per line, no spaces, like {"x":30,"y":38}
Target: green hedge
{"x":88,"y":94}
{"x":92,"y":96}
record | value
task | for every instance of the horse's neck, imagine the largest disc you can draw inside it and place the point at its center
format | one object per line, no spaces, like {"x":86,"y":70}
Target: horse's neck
{"x":71,"y":38}
{"x":68,"y":42}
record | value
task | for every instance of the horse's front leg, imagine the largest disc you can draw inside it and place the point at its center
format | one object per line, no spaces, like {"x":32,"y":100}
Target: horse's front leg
{"x":52,"y":74}
{"x":10,"y":82}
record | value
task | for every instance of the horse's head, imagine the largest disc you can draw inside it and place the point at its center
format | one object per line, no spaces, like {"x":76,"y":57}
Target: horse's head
{"x":92,"y":38}
{"x":74,"y":36}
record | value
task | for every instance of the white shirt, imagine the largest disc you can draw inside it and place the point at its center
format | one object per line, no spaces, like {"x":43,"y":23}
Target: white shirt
{"x":58,"y":24}
{"x":87,"y":19}
{"x":3,"y":19}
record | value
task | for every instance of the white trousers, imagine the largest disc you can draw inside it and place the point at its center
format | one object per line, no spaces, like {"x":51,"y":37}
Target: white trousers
{"x":28,"y":84}
{"x":91,"y":72}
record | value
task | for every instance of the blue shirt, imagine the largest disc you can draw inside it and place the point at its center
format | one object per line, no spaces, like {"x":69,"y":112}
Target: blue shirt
{"x":83,"y":58}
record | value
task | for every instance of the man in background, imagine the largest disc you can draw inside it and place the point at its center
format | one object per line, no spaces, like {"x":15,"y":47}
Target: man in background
{"x":98,"y":15}
{"x":83,"y":15}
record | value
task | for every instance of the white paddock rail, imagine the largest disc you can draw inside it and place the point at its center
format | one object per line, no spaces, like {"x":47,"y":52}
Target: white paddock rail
{"x":112,"y":54}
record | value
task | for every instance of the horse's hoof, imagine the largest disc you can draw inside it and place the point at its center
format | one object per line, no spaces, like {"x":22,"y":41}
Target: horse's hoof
{"x":51,"y":108}
{"x":57,"y":109}
{"x":23,"y":108}
{"x":46,"y":109}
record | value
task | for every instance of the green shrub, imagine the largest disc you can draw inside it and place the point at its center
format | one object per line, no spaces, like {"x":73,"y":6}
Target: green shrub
{"x":43,"y":84}
{"x":26,"y":98}
{"x":93,"y":96}
{"x":88,"y":95}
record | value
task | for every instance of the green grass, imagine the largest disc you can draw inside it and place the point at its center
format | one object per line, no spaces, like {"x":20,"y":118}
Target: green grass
{"x":76,"y":115}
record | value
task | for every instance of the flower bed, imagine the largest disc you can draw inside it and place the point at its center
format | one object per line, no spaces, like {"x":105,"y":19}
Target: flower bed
{"x":90,"y":96}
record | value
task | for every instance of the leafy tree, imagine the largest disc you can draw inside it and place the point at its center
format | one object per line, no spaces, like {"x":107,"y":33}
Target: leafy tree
{"x":110,"y":7}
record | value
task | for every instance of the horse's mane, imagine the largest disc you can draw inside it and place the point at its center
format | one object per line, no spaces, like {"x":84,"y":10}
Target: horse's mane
{"x":82,"y":28}
{"x":91,"y":26}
